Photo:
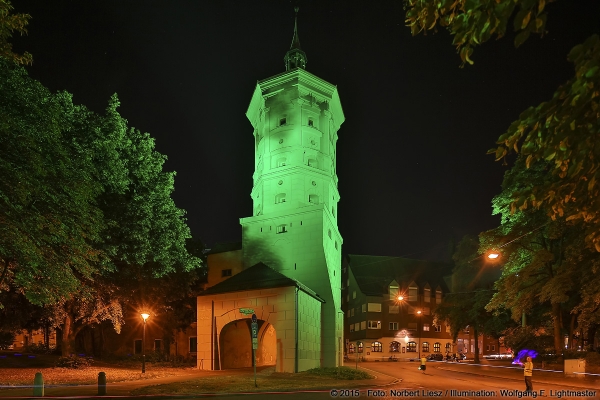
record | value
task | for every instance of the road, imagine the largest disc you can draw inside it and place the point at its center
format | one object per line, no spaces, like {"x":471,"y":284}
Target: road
{"x":440,"y":379}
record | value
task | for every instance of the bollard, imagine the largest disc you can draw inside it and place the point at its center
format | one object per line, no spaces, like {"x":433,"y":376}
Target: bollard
{"x":101,"y":384}
{"x":38,"y":385}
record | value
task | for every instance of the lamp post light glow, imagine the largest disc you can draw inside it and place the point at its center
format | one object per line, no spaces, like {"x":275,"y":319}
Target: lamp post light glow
{"x":144,"y":317}
{"x":493,"y":256}
{"x":400,"y":298}
{"x":419,"y":313}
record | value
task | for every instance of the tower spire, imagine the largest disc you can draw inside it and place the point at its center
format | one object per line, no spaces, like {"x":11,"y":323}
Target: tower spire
{"x":295,"y":57}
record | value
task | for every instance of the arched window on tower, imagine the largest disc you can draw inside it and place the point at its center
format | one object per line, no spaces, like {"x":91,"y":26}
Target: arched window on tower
{"x":312,"y":163}
{"x":313,"y":199}
{"x":280,"y":198}
{"x":281,"y":161}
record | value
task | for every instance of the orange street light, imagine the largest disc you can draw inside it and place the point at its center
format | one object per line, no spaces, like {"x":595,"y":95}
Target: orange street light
{"x":144,"y":317}
{"x":493,"y":256}
{"x":400,"y":298}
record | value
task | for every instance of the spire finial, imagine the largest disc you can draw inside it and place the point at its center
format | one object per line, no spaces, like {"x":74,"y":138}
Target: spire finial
{"x":295,"y":57}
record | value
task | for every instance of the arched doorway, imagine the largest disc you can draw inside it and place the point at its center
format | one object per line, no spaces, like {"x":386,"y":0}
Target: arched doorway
{"x":235,"y":344}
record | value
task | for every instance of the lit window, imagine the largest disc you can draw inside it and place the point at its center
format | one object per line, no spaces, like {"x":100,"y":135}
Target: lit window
{"x":438,"y":328}
{"x":360,"y":347}
{"x":438,"y":296}
{"x":374,"y":324}
{"x":448,"y":346}
{"x":357,"y":326}
{"x":393,"y":289}
{"x":437,"y":347}
{"x":351,"y":348}
{"x":448,"y":328}
{"x":427,"y":295}
{"x":351,"y":327}
{"x":282,"y":228}
{"x":425,"y":327}
{"x":393,"y":326}
{"x":394,"y":347}
{"x":363,"y":325}
{"x":412,"y":293}
{"x":376,"y":347}
{"x":225,"y":272}
{"x":425,"y":347}
{"x":374,"y":307}
{"x":411,"y":347}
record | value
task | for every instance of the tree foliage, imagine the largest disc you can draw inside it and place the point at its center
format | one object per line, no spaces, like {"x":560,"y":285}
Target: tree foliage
{"x":10,"y":23}
{"x":473,"y":22}
{"x":563,"y":130}
{"x":544,"y":259}
{"x":84,"y":203}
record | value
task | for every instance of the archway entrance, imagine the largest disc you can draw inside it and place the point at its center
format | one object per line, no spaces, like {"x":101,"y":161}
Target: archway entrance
{"x":235,"y":345}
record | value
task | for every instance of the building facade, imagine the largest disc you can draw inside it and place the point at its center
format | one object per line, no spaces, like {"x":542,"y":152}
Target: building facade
{"x":293,"y":231}
{"x":388,"y":303}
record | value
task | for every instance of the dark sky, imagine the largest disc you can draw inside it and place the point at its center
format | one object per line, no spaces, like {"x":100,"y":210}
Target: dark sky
{"x":412,"y":164}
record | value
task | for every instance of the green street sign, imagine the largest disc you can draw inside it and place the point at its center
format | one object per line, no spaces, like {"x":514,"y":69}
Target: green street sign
{"x":246,"y":311}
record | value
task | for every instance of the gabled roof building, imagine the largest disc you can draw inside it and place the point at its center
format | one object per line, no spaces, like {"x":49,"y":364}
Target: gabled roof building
{"x":387,"y":304}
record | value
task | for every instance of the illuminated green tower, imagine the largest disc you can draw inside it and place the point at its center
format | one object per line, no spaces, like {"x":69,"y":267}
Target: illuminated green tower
{"x":296,"y":116}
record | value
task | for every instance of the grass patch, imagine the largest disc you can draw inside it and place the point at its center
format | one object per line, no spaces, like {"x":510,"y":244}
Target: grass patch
{"x":345,"y":373}
{"x":318,"y":378}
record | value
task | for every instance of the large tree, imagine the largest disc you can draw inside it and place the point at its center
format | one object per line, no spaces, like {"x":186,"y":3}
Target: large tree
{"x":563,"y":130}
{"x":10,"y":23}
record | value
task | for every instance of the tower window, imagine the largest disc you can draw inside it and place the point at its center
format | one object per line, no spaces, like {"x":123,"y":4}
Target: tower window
{"x":281,"y":228}
{"x":281,"y":162}
{"x":329,"y":233}
{"x":313,"y":198}
{"x":280,"y":198}
{"x":311,"y":122}
{"x":312,"y":163}
{"x":225,"y":272}
{"x":336,"y":245}
{"x":282,"y":121}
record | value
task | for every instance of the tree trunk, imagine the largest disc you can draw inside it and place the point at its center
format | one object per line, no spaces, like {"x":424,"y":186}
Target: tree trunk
{"x":556,"y":323}
{"x":68,"y":339}
{"x":571,"y":331}
{"x":476,"y":334}
{"x":592,"y":336}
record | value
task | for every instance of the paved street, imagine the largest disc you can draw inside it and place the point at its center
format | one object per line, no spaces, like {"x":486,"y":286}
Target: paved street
{"x":400,"y":380}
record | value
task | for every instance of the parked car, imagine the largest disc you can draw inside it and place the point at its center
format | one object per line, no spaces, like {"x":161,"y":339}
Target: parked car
{"x":435,"y":357}
{"x":499,"y":356}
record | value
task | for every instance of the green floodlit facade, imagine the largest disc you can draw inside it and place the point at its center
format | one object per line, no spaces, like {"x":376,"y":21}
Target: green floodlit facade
{"x":296,"y":116}
{"x":291,"y":238}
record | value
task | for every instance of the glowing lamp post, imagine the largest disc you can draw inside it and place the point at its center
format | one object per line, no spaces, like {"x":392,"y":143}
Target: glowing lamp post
{"x":144,"y":317}
{"x":493,"y":255}
{"x":419,"y":313}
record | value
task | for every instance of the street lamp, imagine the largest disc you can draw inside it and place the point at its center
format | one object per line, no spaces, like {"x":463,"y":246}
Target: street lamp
{"x":144,"y":317}
{"x":419,"y":313}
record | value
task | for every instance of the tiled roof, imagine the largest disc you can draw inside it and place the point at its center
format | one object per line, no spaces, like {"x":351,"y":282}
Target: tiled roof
{"x":224,"y":247}
{"x":259,"y":276}
{"x":374,"y":273}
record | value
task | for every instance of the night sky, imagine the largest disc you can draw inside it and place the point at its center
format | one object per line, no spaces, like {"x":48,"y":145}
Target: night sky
{"x":412,"y":164}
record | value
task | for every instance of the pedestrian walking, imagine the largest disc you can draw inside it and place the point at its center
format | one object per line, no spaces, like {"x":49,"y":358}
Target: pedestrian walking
{"x":528,"y":373}
{"x":423,"y":366}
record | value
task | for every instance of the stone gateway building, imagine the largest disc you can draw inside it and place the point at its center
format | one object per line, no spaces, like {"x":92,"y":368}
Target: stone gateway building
{"x":288,"y":271}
